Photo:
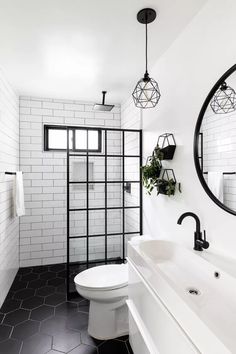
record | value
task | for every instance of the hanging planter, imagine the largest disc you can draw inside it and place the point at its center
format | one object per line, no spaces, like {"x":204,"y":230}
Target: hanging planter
{"x":167,"y":145}
{"x":151,"y":171}
{"x":167,"y":183}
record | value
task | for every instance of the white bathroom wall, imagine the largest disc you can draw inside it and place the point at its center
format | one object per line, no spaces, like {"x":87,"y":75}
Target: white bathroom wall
{"x":9,"y":161}
{"x":186,"y":73}
{"x":43,"y":229}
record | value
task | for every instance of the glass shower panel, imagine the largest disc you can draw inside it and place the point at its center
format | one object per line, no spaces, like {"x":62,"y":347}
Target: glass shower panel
{"x":114,"y":168}
{"x":97,"y":196}
{"x":114,"y":142}
{"x":114,"y":221}
{"x":114,"y":194}
{"x":96,"y":222}
{"x":132,"y":169}
{"x":132,"y":198}
{"x":132,"y":143}
{"x":114,"y":247}
{"x":132,"y":220}
{"x":78,"y":223}
{"x":96,"y":248}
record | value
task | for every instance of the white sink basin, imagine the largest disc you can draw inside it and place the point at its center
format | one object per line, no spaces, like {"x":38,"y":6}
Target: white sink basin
{"x":204,"y":306}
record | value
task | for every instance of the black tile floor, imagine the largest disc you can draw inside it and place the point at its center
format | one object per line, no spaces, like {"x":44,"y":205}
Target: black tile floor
{"x":36,"y":318}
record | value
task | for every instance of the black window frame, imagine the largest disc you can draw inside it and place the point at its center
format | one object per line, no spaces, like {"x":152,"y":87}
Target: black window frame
{"x":73,"y":129}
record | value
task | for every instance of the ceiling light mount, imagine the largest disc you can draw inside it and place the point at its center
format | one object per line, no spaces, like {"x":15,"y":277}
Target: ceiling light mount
{"x":146,"y":93}
{"x":146,"y":16}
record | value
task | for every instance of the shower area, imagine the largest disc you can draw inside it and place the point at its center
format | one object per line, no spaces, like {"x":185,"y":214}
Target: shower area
{"x":104,"y":196}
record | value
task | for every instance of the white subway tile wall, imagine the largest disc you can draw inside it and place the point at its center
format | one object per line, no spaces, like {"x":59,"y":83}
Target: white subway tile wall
{"x":9,"y":161}
{"x":43,"y":229}
{"x":219,"y":150}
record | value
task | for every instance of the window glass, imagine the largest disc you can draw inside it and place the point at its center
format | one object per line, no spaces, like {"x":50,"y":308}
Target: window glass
{"x":57,"y":139}
{"x":93,"y":140}
{"x":80,"y":139}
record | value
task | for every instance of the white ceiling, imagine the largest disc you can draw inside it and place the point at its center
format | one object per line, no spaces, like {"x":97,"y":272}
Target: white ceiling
{"x":76,"y":48}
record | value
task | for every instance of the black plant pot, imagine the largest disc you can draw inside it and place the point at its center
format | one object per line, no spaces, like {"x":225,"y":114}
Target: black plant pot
{"x":162,"y":189}
{"x":168,"y":152}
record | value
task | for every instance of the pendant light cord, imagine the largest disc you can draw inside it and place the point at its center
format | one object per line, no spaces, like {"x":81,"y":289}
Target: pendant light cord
{"x":146,"y":46}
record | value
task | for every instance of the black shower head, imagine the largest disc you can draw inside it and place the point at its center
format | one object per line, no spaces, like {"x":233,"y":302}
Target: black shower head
{"x":102,"y":106}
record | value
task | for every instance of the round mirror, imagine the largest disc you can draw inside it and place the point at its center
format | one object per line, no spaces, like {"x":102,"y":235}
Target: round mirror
{"x":215,"y":142}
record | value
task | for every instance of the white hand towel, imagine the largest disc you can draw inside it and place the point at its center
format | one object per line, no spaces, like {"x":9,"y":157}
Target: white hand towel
{"x":216,"y":184}
{"x":18,"y":195}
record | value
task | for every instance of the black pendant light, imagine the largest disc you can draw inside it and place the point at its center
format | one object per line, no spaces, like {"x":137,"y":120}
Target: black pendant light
{"x":224,"y":100}
{"x":146,"y":93}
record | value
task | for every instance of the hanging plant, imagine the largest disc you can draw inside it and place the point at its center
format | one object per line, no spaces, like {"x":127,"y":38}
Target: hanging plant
{"x":168,"y":145}
{"x":166,"y":187}
{"x":151,"y":171}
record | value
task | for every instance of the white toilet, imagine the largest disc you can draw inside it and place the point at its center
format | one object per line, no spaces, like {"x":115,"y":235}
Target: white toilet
{"x":106,"y":287}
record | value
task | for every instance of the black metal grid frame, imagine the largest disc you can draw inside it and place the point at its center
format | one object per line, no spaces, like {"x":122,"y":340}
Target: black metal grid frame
{"x":123,"y":182}
{"x":48,"y":127}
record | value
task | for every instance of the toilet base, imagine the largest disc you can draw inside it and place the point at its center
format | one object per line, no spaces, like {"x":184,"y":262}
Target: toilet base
{"x":108,"y":320}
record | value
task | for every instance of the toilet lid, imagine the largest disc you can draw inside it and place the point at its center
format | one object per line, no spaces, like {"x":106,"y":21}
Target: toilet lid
{"x":103,"y":277}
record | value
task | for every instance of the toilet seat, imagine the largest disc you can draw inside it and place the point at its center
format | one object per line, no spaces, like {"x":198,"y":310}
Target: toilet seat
{"x":105,"y":277}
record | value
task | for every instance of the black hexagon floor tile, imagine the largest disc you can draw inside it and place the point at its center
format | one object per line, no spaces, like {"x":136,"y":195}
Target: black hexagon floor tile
{"x":5,"y":332}
{"x":42,"y":313}
{"x":10,"y":346}
{"x":57,"y":267}
{"x":61,"y":289}
{"x":32,"y":302}
{"x":48,"y":275}
{"x":10,"y":295}
{"x":53,"y":325}
{"x":85,"y":349}
{"x":39,"y":283}
{"x":25,"y":329}
{"x":56,"y":281}
{"x":66,"y":308}
{"x":37,"y":317}
{"x":37,"y":344}
{"x":18,"y":285}
{"x":24,"y":294}
{"x":23,"y":271}
{"x":113,"y":346}
{"x":45,"y":291}
{"x":29,"y":277}
{"x":62,"y":274}
{"x":10,"y":305}
{"x":66,"y":341}
{"x":55,"y":299}
{"x":40,"y":269}
{"x":16,"y":317}
{"x":77,"y":321}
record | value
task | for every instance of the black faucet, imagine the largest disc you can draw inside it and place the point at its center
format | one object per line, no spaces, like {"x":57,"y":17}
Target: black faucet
{"x":199,"y":242}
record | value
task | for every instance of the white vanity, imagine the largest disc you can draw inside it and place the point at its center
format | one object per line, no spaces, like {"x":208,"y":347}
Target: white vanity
{"x":179,"y":302}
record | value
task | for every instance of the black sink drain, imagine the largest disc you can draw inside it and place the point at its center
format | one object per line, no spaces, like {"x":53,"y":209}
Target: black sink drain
{"x":193,"y":291}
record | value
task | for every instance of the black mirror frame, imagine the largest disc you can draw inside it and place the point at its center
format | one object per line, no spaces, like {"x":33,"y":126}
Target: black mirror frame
{"x":196,"y":139}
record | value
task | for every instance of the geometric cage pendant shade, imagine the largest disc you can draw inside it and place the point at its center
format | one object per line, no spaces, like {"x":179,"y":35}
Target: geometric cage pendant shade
{"x":146,"y":93}
{"x":224,"y":100}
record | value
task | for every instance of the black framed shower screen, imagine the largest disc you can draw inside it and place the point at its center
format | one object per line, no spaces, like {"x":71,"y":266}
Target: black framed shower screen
{"x":87,"y":183}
